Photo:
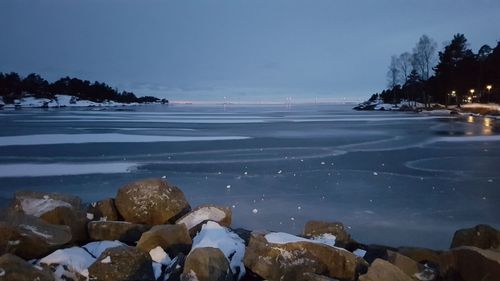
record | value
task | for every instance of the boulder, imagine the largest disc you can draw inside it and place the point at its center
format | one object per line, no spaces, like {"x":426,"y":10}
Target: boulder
{"x":116,"y":230}
{"x":75,"y":219}
{"x":320,"y":228}
{"x":481,"y":236}
{"x":381,"y":270}
{"x":198,"y":216}
{"x":54,"y":208}
{"x":404,"y":263}
{"x":122,"y":263}
{"x":103,"y":210}
{"x":469,"y":263}
{"x":13,"y":268}
{"x":151,"y":201}
{"x":36,"y":203}
{"x":174,"y":239}
{"x":30,"y":237}
{"x":213,"y":235}
{"x":421,"y":255}
{"x":206,"y":264}
{"x":308,"y":276}
{"x":281,"y":256}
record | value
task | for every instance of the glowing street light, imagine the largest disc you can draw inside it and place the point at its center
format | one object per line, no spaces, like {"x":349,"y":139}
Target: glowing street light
{"x":471,"y":91}
{"x":488,"y":87}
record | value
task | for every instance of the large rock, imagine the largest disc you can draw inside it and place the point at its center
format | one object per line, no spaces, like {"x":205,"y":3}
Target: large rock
{"x":54,"y":208}
{"x":421,"y":255}
{"x":151,"y":201}
{"x":318,"y":228}
{"x":36,"y":203}
{"x":381,"y":270}
{"x":122,"y":263}
{"x":481,"y":236}
{"x":116,"y":230}
{"x":75,"y":219}
{"x":13,"y":268}
{"x":206,"y":264}
{"x":281,"y":256}
{"x":471,"y":263}
{"x":198,"y":216}
{"x":409,"y":266}
{"x":103,"y":210}
{"x":174,"y":239}
{"x":30,"y":237}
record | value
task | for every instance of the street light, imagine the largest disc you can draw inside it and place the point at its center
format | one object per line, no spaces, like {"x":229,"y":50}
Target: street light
{"x":471,"y":91}
{"x":488,"y":87}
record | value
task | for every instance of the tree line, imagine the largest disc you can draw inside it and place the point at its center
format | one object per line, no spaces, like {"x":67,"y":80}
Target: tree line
{"x":13,"y":86}
{"x":454,"y":75}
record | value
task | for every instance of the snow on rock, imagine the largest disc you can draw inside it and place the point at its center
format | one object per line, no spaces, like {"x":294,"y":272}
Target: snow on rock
{"x":37,"y":207}
{"x":68,"y":263}
{"x":106,"y":260}
{"x":283,"y":238}
{"x":158,"y":255}
{"x":216,"y":236}
{"x":97,"y":248}
{"x":359,"y":252}
{"x":202,"y":214}
{"x":325,"y":238}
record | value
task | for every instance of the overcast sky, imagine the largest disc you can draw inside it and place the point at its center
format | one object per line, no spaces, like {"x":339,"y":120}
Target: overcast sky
{"x":242,"y":49}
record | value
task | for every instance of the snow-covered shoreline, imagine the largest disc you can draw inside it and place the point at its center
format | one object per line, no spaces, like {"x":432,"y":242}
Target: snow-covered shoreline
{"x":61,"y":101}
{"x":149,"y":232}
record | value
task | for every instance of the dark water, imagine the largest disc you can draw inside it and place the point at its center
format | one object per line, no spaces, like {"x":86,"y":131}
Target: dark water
{"x":392,"y":178}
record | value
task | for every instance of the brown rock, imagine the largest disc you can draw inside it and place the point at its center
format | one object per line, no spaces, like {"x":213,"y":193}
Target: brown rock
{"x":73,"y":218}
{"x":471,"y":263}
{"x":13,"y":268}
{"x":198,"y":216}
{"x":404,"y":263}
{"x":103,"y":210}
{"x":317,"y":228}
{"x":174,"y":239}
{"x":54,"y":208}
{"x":315,"y":277}
{"x":116,"y":230}
{"x":206,"y":264}
{"x":381,"y":270}
{"x":289,"y":261}
{"x":122,"y":263}
{"x":481,"y":236}
{"x":151,"y":201}
{"x":30,"y":237}
{"x":421,"y":255}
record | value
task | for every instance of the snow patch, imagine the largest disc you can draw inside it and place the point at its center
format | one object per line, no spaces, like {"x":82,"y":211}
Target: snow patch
{"x":325,"y":238}
{"x":359,"y":252}
{"x":37,"y":207}
{"x":106,"y":260}
{"x":69,"y":263}
{"x":35,"y":231}
{"x":97,"y":248}
{"x":158,"y":255}
{"x":215,"y":236}
{"x":198,"y":216}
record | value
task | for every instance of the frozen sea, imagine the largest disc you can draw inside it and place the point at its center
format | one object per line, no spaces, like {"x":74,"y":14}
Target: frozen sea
{"x":392,"y":178}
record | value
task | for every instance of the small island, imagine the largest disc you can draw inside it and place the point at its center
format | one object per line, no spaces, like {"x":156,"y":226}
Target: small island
{"x":33,"y":91}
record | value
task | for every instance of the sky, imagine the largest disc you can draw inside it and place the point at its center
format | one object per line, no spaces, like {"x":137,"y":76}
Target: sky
{"x":234,"y":50}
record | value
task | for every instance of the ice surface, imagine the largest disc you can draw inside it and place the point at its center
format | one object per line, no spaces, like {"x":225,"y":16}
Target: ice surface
{"x":46,"y":139}
{"x":216,"y":236}
{"x":62,"y":169}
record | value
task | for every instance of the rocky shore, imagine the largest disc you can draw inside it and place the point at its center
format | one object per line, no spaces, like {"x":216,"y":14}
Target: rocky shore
{"x":150,"y":232}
